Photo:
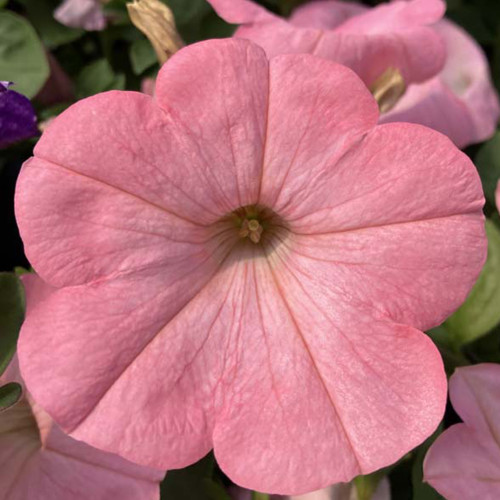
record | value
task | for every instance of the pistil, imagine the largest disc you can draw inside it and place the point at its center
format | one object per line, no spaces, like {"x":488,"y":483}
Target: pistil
{"x":251,"y":229}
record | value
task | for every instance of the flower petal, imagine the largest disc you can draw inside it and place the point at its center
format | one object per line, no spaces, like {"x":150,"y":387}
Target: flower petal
{"x":101,"y":329}
{"x":467,"y":74}
{"x":325,"y":381}
{"x":434,"y":105}
{"x":408,"y":241}
{"x":137,"y":196}
{"x":239,"y":11}
{"x":216,"y":368}
{"x":396,"y":35}
{"x":219,"y":90}
{"x":165,"y":417}
{"x":320,"y":125}
{"x":38,"y":461}
{"x":464,"y":462}
{"x":461,"y":101}
{"x":83,"y":229}
{"x":325,"y":14}
{"x":397,"y":15}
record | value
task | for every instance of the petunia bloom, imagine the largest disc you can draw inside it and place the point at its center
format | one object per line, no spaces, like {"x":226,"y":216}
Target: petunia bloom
{"x":87,"y":14}
{"x":464,"y":461}
{"x":38,"y":461}
{"x":244,"y":262}
{"x":369,"y":41}
{"x":461,"y":101}
{"x":17,"y":116}
{"x":458,"y":99}
{"x":497,"y":196}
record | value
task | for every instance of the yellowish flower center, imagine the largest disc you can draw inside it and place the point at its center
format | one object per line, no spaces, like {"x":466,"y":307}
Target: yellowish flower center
{"x":251,"y":229}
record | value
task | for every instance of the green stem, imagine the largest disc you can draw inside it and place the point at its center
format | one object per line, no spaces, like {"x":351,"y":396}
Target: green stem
{"x":260,"y":496}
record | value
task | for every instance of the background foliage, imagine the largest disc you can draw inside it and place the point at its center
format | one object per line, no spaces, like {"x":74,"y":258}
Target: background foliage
{"x":120,"y":57}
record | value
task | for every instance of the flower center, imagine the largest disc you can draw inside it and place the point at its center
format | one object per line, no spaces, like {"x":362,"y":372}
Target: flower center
{"x":253,"y":225}
{"x":251,"y":229}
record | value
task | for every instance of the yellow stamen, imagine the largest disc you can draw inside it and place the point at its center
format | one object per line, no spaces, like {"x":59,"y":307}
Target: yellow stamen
{"x":251,"y":229}
{"x":388,"y":88}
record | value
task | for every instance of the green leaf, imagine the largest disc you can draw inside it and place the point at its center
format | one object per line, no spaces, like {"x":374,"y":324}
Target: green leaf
{"x":367,"y":485}
{"x":215,"y":27}
{"x":187,"y":11}
{"x":47,"y":113}
{"x":260,"y":496}
{"x":3,"y":3}
{"x":485,"y":349}
{"x":193,"y":483}
{"x":142,"y":55}
{"x":98,"y":77}
{"x":53,"y":34}
{"x":11,"y":316}
{"x":481,"y":311}
{"x":487,"y":161}
{"x":9,"y":395}
{"x":189,"y":16}
{"x":22,"y":57}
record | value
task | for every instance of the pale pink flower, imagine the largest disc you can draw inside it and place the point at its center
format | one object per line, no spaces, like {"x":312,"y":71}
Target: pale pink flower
{"x":497,"y":196}
{"x":464,"y":462}
{"x":458,"y":99}
{"x":87,"y":14}
{"x":39,"y":462}
{"x":244,"y":262}
{"x":461,"y":101}
{"x":369,"y":41}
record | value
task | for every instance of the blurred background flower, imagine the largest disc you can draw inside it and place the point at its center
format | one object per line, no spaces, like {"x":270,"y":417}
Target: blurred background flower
{"x":17,"y":116}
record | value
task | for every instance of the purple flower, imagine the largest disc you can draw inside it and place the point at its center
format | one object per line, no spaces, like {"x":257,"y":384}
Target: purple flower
{"x":17,"y":117}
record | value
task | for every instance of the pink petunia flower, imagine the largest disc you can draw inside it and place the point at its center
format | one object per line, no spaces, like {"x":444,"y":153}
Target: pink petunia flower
{"x":464,"y":462}
{"x":244,"y":262}
{"x":461,"y":101}
{"x":38,"y":461}
{"x":369,"y":41}
{"x":458,"y":99}
{"x":87,"y":14}
{"x":497,"y":196}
